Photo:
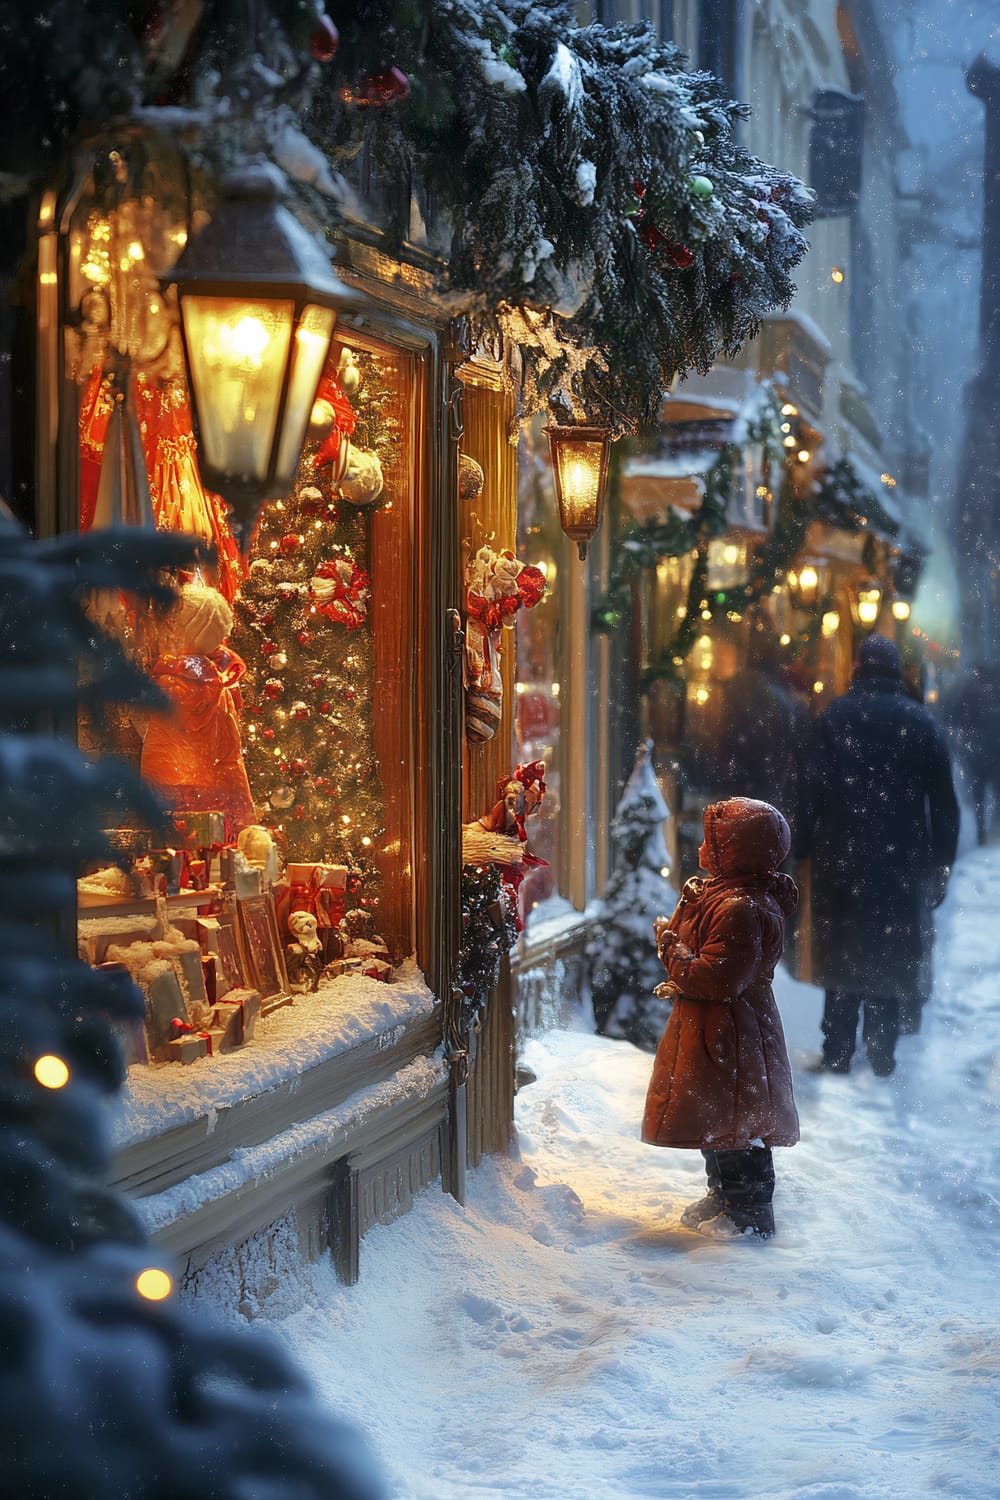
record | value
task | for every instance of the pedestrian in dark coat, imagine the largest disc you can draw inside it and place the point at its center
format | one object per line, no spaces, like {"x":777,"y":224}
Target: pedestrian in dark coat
{"x":721,"y":1082}
{"x":882,"y":831}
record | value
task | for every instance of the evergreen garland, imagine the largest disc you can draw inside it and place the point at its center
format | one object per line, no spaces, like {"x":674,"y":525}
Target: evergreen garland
{"x":593,"y":204}
{"x":839,"y":497}
{"x":583,"y":174}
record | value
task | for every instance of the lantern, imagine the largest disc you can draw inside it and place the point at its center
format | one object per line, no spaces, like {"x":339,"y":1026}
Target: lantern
{"x":901,"y":609}
{"x":580,"y":466}
{"x":867,"y":603}
{"x":258,"y":302}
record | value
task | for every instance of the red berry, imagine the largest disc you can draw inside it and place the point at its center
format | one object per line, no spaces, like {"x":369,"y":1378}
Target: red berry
{"x":304,"y":637}
{"x":290,"y":543}
{"x":267,"y":734}
{"x":325,"y":708}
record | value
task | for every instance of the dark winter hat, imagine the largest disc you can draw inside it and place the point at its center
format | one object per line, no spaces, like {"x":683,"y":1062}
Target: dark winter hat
{"x":878,"y":657}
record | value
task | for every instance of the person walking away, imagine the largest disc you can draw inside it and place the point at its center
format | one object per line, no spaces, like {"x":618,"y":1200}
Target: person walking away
{"x":721,"y":1081}
{"x":882,"y":831}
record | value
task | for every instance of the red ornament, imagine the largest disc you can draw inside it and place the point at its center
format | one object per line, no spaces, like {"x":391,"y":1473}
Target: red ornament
{"x":268,"y":648}
{"x":319,"y":680}
{"x":289,"y":543}
{"x":267,"y":734}
{"x":273,"y":688}
{"x":299,"y":766}
{"x":300,"y":812}
{"x":304,"y":637}
{"x":325,"y":708}
{"x":267,"y":619}
{"x":678,"y":256}
{"x":300,"y":710}
{"x":325,"y":40}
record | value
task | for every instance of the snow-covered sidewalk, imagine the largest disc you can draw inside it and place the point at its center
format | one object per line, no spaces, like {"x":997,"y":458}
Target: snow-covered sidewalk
{"x":562,"y":1337}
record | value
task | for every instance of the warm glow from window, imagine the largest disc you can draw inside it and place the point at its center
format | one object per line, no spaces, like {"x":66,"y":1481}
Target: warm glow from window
{"x":730,"y":554}
{"x":830,"y":623}
{"x":701,"y":696}
{"x":808,"y":578}
{"x":900,"y":609}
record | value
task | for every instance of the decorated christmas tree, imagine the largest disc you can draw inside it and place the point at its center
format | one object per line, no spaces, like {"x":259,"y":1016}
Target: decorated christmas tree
{"x":304,"y":629}
{"x":624,"y":965}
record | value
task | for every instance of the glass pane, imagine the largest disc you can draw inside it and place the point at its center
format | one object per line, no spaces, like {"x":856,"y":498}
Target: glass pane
{"x":312,"y":345}
{"x":324,"y":625}
{"x":237,"y":353}
{"x":539,"y":672}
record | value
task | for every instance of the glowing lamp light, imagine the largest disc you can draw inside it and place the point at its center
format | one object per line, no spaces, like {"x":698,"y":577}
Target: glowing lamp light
{"x":788,"y":410}
{"x":789,"y":441}
{"x":867,"y":604}
{"x":258,"y":303}
{"x":580,"y":467}
{"x":804,"y":455}
{"x":51,"y":1072}
{"x":900,"y":609}
{"x":819,"y":687}
{"x":837,"y":275}
{"x":830,"y":623}
{"x":154,"y":1284}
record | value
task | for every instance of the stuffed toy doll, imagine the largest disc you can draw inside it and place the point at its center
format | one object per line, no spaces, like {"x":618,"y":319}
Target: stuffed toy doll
{"x":192,"y":753}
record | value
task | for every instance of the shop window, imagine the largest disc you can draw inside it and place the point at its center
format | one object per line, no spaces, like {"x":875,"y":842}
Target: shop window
{"x":539,"y":685}
{"x":555,"y":698}
{"x":286,"y":758}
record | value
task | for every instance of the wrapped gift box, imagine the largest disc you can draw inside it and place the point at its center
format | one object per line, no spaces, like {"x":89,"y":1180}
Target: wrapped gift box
{"x":188,"y":1048}
{"x":236,"y":1017}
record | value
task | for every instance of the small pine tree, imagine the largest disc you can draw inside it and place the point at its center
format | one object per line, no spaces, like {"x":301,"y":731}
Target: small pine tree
{"x":108,"y":1386}
{"x":624,"y":965}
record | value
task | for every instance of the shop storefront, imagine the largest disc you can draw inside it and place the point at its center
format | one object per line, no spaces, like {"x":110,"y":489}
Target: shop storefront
{"x":296,"y":929}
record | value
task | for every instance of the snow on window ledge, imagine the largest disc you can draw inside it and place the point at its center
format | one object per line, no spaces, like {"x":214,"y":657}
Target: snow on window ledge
{"x":343,"y":1014}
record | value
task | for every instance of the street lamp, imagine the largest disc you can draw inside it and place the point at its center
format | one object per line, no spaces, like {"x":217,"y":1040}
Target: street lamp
{"x":258,"y":303}
{"x":580,"y":467}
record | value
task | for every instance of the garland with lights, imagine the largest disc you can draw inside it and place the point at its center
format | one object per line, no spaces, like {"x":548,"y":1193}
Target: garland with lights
{"x":838,"y":497}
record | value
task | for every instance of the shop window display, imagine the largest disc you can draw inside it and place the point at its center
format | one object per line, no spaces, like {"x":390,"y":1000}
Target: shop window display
{"x":285,"y":752}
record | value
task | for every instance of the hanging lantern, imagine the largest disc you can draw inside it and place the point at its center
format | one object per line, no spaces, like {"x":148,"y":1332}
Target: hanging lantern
{"x":867,"y":603}
{"x":258,"y":302}
{"x":580,"y":467}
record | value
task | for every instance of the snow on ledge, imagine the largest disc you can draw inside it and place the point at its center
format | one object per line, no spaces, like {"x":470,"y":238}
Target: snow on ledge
{"x":343,"y":1014}
{"x":253,"y":1164}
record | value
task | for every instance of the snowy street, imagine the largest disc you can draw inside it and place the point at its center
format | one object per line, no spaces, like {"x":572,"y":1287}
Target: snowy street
{"x":563,"y":1337}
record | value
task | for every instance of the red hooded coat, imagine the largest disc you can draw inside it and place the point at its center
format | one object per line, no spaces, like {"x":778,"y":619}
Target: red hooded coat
{"x":721,"y":1077}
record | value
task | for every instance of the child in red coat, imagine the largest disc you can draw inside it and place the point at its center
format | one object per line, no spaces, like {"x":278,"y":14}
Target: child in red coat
{"x":721,"y":1079}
